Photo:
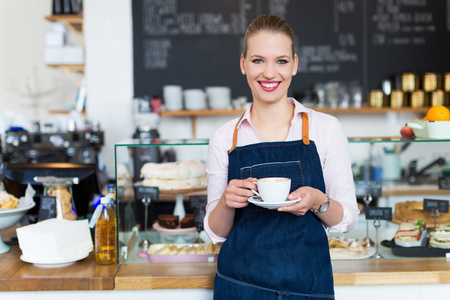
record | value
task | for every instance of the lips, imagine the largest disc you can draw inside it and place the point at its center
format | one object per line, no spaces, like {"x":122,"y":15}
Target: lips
{"x":269,"y":86}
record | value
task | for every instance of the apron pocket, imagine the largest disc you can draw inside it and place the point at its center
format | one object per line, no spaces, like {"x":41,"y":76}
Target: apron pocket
{"x":289,"y":169}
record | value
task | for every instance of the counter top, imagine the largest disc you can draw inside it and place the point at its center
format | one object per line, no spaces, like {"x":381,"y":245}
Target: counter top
{"x":85,"y":274}
{"x":346,"y":272}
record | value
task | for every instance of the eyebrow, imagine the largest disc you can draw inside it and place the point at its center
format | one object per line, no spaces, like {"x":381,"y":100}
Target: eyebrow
{"x":278,"y":57}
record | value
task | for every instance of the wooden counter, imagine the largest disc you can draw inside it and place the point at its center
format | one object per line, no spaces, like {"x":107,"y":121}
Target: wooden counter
{"x":165,"y":276}
{"x":85,"y":274}
{"x":17,"y":275}
{"x":346,"y":272}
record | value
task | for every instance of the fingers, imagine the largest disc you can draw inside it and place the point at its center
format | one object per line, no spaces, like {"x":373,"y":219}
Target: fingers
{"x":308,"y":196}
{"x":238,"y":192}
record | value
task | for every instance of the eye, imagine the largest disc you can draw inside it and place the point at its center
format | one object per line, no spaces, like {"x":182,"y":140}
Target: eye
{"x":257,"y":61}
{"x":282,"y":61}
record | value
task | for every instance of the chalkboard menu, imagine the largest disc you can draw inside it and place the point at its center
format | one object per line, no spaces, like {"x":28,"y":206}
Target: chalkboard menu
{"x":197,"y":43}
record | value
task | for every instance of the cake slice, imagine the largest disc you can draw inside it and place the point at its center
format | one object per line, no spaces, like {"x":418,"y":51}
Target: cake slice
{"x":168,"y":221}
{"x":188,"y":221}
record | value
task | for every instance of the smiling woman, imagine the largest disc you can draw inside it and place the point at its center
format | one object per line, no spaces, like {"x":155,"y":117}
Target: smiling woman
{"x":276,"y":137}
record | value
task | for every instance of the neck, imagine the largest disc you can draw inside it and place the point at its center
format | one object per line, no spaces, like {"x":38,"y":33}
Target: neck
{"x":272,"y":121}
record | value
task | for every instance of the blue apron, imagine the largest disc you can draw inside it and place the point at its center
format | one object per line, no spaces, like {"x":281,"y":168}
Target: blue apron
{"x":271,"y":254}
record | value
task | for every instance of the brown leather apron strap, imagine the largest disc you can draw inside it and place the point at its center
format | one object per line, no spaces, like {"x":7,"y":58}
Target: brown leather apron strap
{"x":305,"y":131}
{"x":305,"y":128}
{"x":235,"y":134}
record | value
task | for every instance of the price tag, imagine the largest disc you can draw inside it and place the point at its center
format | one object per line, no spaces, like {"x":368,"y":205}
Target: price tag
{"x":435,"y":204}
{"x":382,"y":213}
{"x":151,"y":192}
{"x":444,"y":183}
{"x":47,"y":208}
{"x":364,"y":188}
{"x":198,"y":201}
{"x":3,"y":167}
{"x":120,"y":192}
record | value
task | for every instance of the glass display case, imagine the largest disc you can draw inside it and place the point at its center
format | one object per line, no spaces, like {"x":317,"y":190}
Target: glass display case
{"x":389,"y":172}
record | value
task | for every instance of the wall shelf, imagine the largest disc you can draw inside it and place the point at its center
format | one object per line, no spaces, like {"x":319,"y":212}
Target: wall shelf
{"x":73,"y":22}
{"x":193,"y":114}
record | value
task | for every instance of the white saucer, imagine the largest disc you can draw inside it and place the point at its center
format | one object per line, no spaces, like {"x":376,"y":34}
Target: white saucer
{"x":54,"y":264}
{"x":257,"y":201}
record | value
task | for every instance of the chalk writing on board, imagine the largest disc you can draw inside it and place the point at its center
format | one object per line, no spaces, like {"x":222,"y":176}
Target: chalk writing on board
{"x":402,"y":23}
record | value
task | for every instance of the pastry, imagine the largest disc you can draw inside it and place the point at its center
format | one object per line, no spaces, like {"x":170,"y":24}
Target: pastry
{"x":188,"y":221}
{"x":187,"y":174}
{"x":168,"y":221}
{"x":8,"y":200}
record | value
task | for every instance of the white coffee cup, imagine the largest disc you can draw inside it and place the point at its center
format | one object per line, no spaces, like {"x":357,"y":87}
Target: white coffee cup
{"x":173,"y":97}
{"x":219,"y":97}
{"x":274,"y":189}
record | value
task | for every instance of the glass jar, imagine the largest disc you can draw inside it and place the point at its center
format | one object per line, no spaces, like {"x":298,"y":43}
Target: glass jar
{"x":61,"y":189}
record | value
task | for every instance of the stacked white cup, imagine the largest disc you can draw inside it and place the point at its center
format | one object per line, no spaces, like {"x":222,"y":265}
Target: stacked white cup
{"x":194,"y":99}
{"x":173,"y":97}
{"x":219,"y":97}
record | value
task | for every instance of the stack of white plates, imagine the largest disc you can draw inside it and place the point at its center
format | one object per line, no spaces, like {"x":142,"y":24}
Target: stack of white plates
{"x":55,"y":242}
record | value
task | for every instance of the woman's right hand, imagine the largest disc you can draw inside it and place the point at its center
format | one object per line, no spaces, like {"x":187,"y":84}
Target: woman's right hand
{"x":238,"y":191}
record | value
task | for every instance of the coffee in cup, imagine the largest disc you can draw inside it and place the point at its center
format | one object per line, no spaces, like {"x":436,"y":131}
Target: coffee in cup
{"x":274,"y":189}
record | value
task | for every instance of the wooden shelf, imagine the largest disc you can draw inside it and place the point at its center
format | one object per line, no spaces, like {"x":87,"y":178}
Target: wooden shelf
{"x":75,"y":72}
{"x":362,"y":110}
{"x":73,"y":22}
{"x":193,"y":114}
{"x":73,"y":68}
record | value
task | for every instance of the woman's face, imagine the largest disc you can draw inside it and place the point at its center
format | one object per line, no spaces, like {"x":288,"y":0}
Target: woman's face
{"x":269,"y":66}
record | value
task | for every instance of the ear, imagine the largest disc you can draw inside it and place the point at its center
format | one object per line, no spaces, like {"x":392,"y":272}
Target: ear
{"x":242,"y":64}
{"x":295,"y":67}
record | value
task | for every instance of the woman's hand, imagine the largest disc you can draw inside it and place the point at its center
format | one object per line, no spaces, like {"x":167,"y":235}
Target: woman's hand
{"x":238,"y":191}
{"x":311,"y":199}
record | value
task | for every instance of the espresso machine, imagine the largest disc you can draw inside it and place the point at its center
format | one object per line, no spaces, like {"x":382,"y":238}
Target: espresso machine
{"x":44,"y":146}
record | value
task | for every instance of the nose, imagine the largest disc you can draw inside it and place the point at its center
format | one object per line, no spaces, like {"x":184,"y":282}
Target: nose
{"x":269,"y":70}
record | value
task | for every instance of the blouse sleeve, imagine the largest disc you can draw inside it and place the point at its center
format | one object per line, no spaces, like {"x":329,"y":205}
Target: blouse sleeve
{"x":338,"y":175}
{"x":217,"y":177}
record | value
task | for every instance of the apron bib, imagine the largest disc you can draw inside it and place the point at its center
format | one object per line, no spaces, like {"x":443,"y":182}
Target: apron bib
{"x":271,"y":254}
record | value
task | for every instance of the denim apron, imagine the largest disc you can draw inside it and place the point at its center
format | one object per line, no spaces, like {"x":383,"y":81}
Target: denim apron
{"x":271,"y":254}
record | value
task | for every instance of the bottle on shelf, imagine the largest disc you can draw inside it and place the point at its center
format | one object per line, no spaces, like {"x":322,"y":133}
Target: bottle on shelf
{"x":106,"y":232}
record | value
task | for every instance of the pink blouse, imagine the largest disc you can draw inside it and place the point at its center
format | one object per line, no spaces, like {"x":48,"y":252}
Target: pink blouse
{"x":332,"y":146}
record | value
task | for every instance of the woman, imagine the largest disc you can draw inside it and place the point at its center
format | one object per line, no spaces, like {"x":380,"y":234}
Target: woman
{"x":268,"y":254}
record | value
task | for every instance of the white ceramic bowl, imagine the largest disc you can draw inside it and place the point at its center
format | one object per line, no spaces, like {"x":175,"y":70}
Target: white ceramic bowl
{"x":219,"y":97}
{"x":195,"y":99}
{"x":8,"y":218}
{"x":173,"y":97}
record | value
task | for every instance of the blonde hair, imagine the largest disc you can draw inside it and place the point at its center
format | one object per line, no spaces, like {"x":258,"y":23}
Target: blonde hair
{"x":269,"y":23}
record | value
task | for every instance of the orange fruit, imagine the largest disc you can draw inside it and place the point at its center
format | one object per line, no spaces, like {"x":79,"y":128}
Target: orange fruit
{"x":438,"y":113}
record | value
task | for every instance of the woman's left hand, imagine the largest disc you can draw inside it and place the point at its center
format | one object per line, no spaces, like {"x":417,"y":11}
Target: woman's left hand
{"x":311,"y":199}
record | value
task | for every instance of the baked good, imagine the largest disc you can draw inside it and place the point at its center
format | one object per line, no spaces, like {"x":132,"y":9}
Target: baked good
{"x":65,"y":208}
{"x":187,"y":174}
{"x":188,"y":221}
{"x":8,"y":201}
{"x":168,"y":221}
{"x":183,"y":249}
{"x":414,"y":210}
{"x":346,"y":248}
